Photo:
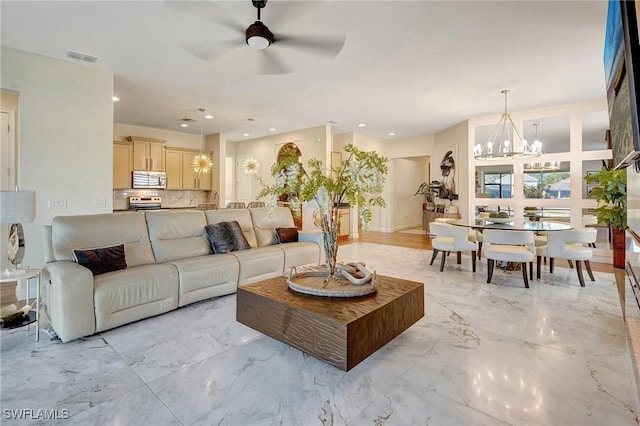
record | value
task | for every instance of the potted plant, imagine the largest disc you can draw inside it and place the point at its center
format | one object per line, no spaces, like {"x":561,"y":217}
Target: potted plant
{"x":611,"y":195}
{"x":358,"y":180}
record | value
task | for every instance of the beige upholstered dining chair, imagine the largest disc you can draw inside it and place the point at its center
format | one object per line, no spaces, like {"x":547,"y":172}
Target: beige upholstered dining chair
{"x":236,"y":205}
{"x":474,"y":236}
{"x":509,"y":246}
{"x":451,"y":238}
{"x":569,"y":245}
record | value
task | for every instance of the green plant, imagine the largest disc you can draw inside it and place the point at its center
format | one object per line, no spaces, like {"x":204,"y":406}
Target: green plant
{"x":359,"y":179}
{"x":611,"y":195}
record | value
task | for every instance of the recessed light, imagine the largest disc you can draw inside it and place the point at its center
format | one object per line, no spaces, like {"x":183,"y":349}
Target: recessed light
{"x":361,"y":125}
{"x":392,"y":134}
{"x":115,"y":98}
{"x":184,"y":125}
{"x":208,"y":116}
{"x":273,"y":129}
{"x":245,"y":134}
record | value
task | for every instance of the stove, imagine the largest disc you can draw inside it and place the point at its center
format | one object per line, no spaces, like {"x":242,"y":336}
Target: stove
{"x":144,"y":203}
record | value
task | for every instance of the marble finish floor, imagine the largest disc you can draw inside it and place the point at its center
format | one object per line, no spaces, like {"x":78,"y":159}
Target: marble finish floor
{"x":484,"y":354}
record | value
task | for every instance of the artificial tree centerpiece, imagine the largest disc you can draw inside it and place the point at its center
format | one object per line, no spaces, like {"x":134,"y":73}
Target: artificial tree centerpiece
{"x":611,"y":195}
{"x":357,"y":180}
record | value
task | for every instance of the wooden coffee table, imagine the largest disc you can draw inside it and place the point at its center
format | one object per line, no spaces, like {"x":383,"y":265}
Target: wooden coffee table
{"x":340,"y":331}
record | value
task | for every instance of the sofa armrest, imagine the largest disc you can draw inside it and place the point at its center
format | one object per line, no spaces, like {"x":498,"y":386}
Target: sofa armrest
{"x":314,"y":237}
{"x":70,"y":299}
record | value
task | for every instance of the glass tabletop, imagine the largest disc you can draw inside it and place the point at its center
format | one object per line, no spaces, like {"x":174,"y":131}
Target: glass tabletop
{"x":517,"y":224}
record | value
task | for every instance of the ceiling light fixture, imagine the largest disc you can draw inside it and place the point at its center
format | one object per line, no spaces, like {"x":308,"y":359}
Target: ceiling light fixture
{"x":540,"y":166}
{"x":392,"y":134}
{"x":184,"y":125}
{"x":361,"y":125}
{"x":115,"y":98}
{"x":273,"y":129}
{"x":201,"y":162}
{"x":258,"y":35}
{"x":501,"y":143}
{"x":208,"y":116}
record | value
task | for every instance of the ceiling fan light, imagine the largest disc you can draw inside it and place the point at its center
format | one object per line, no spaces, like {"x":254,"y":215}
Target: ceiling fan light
{"x":259,"y":36}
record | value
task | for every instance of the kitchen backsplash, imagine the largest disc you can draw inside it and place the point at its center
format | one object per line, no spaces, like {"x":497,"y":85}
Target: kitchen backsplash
{"x":173,"y":199}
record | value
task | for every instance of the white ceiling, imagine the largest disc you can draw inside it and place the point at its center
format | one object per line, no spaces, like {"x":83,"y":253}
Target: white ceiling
{"x":409,"y":67}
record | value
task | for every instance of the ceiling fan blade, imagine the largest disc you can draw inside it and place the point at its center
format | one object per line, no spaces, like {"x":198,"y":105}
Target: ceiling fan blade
{"x":317,"y":44}
{"x":270,"y":63}
{"x":210,"y":51}
{"x":206,"y":10}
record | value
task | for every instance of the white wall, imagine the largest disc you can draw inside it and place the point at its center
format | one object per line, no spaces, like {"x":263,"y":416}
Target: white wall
{"x":312,"y":142}
{"x":455,"y":138}
{"x":65,"y":137}
{"x":409,"y":173}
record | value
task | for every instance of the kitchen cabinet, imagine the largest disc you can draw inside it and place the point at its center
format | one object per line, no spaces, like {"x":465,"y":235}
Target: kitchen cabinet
{"x":148,"y":154}
{"x":345,"y":227}
{"x":190,"y":180}
{"x":173,"y":168}
{"x":179,"y":170}
{"x":122,"y":164}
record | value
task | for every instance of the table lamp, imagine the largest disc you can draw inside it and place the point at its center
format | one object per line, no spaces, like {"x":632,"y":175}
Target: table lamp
{"x":16,"y":207}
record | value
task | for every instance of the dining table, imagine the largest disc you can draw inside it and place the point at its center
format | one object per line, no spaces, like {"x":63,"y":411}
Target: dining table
{"x":515,"y":224}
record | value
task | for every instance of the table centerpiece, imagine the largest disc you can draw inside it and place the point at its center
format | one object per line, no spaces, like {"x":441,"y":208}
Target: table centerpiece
{"x":358,"y":180}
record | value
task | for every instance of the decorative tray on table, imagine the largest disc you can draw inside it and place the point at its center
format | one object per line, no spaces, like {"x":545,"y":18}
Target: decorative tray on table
{"x":499,"y":219}
{"x":357,"y":281}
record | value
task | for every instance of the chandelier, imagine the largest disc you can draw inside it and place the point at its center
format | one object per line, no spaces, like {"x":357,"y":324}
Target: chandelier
{"x":201,"y":162}
{"x":502,"y":142}
{"x":540,"y":166}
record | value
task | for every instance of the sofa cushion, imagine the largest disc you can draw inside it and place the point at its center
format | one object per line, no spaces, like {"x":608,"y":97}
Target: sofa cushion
{"x":226,"y":237}
{"x":132,"y":294}
{"x":300,"y":253}
{"x":242,"y":216}
{"x":208,"y":276}
{"x":265,"y":224}
{"x":259,"y":263}
{"x":103,"y":230}
{"x":177,"y":234}
{"x":287,"y":235}
{"x":101,"y":260}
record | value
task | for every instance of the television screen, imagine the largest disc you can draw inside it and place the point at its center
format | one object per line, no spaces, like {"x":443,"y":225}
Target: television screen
{"x":621,"y":42}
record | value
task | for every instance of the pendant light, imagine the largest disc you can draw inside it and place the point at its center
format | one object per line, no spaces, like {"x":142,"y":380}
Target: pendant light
{"x":540,"y":166}
{"x":201,"y":163}
{"x":502,"y":142}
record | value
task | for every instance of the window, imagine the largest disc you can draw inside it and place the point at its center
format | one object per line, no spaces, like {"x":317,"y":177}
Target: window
{"x":548,"y":183}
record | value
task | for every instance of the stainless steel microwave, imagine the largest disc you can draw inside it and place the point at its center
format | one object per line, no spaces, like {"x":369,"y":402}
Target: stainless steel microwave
{"x":152,"y":180}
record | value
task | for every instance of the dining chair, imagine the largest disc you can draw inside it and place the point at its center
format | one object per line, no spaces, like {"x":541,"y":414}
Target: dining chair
{"x":207,"y":206}
{"x":236,"y":205}
{"x":569,"y":245}
{"x":253,"y":204}
{"x":474,"y":236}
{"x":451,"y":238}
{"x":509,"y":246}
{"x":590,"y":220}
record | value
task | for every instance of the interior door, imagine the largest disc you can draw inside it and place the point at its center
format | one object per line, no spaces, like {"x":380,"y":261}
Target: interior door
{"x":7,"y":177}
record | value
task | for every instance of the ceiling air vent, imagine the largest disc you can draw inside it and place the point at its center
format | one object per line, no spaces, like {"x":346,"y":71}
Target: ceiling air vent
{"x":82,"y":56}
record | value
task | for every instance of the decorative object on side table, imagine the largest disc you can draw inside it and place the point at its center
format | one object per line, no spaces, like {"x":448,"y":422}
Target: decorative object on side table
{"x":351,"y":280}
{"x":611,"y":195}
{"x":16,"y":207}
{"x":357,"y":180}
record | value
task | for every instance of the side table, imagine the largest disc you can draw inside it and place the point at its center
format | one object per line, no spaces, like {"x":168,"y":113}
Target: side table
{"x":34,"y":314}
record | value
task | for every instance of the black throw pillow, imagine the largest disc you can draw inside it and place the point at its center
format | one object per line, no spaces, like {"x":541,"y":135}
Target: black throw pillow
{"x":101,"y":260}
{"x":226,"y":237}
{"x":287,"y":235}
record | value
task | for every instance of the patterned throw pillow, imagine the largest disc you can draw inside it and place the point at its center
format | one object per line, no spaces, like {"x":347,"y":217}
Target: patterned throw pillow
{"x":101,"y":260}
{"x":287,"y":235}
{"x":226,"y":237}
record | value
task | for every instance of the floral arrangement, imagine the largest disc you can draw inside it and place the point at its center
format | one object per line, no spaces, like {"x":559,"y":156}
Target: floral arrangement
{"x":359,"y":179}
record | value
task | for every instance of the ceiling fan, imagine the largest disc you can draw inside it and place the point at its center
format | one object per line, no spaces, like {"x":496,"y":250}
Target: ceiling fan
{"x":260,"y":37}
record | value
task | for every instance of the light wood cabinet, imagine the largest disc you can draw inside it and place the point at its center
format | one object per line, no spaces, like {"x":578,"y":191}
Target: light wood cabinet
{"x":173,"y":168}
{"x":345,"y":227}
{"x":122,"y":164}
{"x":190,"y":180}
{"x":179,"y":170}
{"x":148,"y":154}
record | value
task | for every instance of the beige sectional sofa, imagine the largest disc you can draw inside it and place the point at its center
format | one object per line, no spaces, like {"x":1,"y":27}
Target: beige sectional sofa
{"x":170,"y":263}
